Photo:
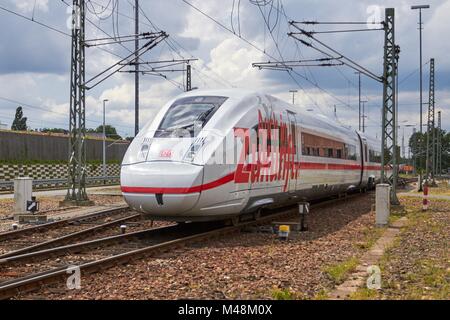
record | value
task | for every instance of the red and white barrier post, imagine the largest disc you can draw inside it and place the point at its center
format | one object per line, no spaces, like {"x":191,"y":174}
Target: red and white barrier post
{"x":425,"y":197}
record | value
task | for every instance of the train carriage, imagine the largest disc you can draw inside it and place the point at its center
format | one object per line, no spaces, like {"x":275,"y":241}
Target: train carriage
{"x":219,"y":154}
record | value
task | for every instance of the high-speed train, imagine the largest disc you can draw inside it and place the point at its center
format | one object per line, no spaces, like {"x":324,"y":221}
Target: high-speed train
{"x":222,"y":154}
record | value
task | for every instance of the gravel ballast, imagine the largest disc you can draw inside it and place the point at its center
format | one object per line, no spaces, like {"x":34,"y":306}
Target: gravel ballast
{"x":242,"y":266}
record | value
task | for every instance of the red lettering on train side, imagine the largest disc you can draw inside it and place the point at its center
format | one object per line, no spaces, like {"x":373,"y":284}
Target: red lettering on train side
{"x":268,"y":163}
{"x":242,"y":175}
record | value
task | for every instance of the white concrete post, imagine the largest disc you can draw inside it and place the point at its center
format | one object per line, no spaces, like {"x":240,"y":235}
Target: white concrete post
{"x":23,"y":191}
{"x":382,"y":204}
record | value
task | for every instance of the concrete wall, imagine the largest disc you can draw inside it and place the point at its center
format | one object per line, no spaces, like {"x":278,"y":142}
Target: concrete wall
{"x":17,"y":146}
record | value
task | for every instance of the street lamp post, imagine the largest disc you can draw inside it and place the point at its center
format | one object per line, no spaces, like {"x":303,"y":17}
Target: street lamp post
{"x":363,"y":116}
{"x":359,"y":100}
{"x":104,"y":140}
{"x":420,"y":7}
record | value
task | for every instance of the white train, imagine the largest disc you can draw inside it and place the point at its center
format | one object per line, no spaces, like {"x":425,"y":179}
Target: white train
{"x":221,"y":154}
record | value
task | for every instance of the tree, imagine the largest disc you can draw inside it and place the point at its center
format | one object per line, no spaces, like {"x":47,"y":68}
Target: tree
{"x":19,"y":123}
{"x":54,"y":130}
{"x":418,"y":146}
{"x":110,"y":131}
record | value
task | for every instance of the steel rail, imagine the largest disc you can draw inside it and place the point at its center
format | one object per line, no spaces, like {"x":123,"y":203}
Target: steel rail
{"x":60,"y":223}
{"x":69,"y":237}
{"x":82,"y":246}
{"x":35,"y":281}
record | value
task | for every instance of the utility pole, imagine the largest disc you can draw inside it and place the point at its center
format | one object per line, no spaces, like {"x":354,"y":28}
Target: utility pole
{"x":293,"y":95}
{"x":389,"y":121}
{"x":430,"y":129}
{"x":136,"y":74}
{"x":77,"y":168}
{"x":188,"y":78}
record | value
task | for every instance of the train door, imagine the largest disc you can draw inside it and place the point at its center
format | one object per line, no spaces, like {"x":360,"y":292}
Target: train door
{"x":293,"y":151}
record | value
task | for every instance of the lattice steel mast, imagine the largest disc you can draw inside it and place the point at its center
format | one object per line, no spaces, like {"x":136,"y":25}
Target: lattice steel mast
{"x":136,"y":75}
{"x":77,"y":169}
{"x":389,"y":148}
{"x":430,"y":162}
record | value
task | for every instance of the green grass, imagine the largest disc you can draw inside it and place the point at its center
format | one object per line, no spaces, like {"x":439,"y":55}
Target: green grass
{"x":407,"y":176}
{"x":321,"y":295}
{"x":428,"y":279}
{"x":371,"y":235}
{"x":338,"y":272}
{"x":364,"y":294}
{"x":284,"y":294}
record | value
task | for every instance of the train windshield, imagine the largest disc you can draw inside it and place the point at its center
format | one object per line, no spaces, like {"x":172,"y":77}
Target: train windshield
{"x":187,"y":116}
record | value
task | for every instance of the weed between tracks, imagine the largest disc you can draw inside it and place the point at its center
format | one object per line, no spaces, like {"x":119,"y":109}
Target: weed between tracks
{"x":339,"y":272}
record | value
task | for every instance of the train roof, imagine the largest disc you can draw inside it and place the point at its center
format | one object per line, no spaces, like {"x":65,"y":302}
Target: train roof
{"x":230,"y":93}
{"x":314,"y":120}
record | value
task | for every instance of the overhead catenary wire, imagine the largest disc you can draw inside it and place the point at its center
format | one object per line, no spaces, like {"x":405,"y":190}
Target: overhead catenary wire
{"x":283,"y":12}
{"x":344,"y":31}
{"x":261,"y":50}
{"x":35,"y":21}
{"x":171,"y":40}
{"x":123,"y":46}
{"x":349,"y":62}
{"x":342,"y":22}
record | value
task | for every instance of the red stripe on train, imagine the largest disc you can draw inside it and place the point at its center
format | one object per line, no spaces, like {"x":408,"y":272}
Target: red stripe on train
{"x":211,"y":185}
{"x":230,"y":177}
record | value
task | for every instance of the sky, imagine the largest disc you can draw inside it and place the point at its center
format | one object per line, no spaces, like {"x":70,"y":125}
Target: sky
{"x":226,"y":40}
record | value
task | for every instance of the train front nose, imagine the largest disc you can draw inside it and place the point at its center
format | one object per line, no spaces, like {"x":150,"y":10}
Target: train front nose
{"x":161,"y":188}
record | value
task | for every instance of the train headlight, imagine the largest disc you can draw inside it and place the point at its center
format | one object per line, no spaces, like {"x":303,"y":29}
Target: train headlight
{"x":193,"y":149}
{"x":143,"y":152}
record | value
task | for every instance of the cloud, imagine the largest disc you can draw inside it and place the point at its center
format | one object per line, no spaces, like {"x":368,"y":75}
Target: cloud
{"x":233,"y":62}
{"x":35,"y":62}
{"x":27,"y":6}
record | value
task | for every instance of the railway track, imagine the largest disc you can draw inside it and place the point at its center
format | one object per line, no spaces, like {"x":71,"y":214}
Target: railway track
{"x":30,"y":271}
{"x":63,"y":231}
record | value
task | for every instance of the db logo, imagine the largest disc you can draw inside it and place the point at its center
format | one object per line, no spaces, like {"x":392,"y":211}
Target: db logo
{"x":166,"y":154}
